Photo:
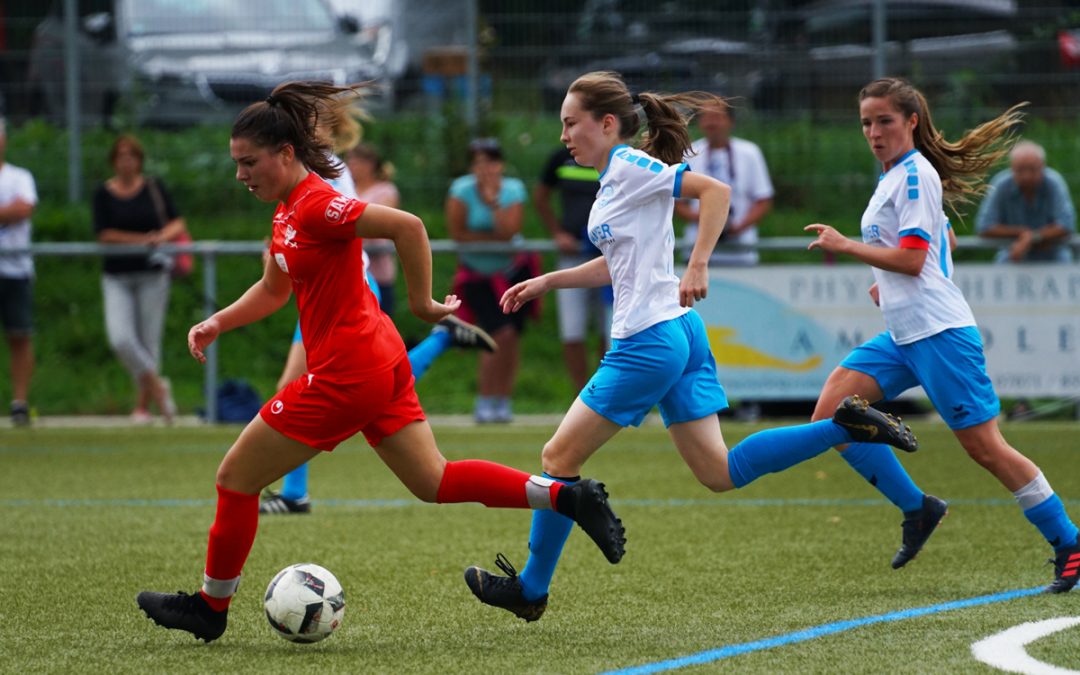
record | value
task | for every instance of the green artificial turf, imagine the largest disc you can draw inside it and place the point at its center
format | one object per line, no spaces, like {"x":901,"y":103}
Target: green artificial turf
{"x":91,"y":517}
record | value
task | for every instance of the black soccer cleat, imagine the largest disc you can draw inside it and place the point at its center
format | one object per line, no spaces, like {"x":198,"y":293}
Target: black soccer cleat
{"x":184,"y":612}
{"x":586,"y":501}
{"x":504,"y":592}
{"x":274,"y":503}
{"x":869,"y":425}
{"x":918,"y":526}
{"x":1066,"y":569}
{"x":465,"y":335}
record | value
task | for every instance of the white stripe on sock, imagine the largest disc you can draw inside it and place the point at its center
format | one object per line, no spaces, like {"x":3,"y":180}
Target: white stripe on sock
{"x":220,"y":588}
{"x":1034,"y":493}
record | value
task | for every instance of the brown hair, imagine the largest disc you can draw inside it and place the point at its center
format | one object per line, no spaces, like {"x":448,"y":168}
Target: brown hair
{"x":383,"y":169}
{"x":961,"y":165}
{"x":314,"y":117}
{"x":132,"y":144}
{"x":667,"y":136}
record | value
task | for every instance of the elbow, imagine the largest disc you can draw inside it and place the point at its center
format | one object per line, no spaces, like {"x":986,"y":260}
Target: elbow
{"x":914,"y":268}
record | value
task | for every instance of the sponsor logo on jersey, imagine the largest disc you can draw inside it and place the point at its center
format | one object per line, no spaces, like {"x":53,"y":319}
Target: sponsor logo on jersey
{"x":336,"y":208}
{"x":290,"y":234}
{"x":607,"y":193}
{"x":276,"y":407}
{"x":279,"y":258}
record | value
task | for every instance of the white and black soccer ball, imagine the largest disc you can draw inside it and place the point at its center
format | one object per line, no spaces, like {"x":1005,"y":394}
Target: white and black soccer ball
{"x":304,"y":603}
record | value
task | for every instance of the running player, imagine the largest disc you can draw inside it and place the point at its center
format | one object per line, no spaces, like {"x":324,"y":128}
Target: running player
{"x":660,"y":352}
{"x":931,"y":339}
{"x":358,"y":378}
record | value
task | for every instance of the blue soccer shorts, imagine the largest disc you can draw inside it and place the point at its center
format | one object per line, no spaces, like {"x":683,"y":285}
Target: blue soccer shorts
{"x":950,"y":366}
{"x":668,"y":364}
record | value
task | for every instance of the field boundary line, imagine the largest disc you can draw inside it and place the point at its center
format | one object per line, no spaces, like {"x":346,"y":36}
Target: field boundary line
{"x":806,"y":634}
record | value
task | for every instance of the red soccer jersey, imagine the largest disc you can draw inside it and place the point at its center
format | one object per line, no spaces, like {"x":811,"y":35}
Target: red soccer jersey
{"x":347,"y":337}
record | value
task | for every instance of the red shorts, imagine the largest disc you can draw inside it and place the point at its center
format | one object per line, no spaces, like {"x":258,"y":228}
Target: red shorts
{"x":322,"y":413}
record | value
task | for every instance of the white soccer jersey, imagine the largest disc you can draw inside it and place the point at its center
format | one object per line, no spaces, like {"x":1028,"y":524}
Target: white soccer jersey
{"x":906,"y":209}
{"x":630,"y":223}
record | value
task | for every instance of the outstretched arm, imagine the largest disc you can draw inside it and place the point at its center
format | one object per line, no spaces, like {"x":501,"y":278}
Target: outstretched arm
{"x":592,"y":274}
{"x":264,"y":298}
{"x":902,"y":260}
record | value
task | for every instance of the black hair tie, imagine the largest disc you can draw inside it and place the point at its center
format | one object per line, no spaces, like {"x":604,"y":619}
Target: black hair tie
{"x":635,"y":99}
{"x":270,"y":100}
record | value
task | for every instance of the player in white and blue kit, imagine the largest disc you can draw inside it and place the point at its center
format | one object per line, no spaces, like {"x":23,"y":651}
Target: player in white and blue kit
{"x":931,"y":338}
{"x":660,"y":352}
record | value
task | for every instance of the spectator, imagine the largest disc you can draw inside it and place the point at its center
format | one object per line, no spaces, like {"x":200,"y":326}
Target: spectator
{"x":484,"y":206}
{"x":740,"y":164}
{"x":18,"y":197}
{"x":372,"y":177}
{"x":1029,"y":205}
{"x":130,"y":208}
{"x":577,"y":186}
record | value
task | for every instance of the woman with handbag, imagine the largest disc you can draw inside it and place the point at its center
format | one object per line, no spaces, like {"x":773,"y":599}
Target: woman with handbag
{"x":130,"y":208}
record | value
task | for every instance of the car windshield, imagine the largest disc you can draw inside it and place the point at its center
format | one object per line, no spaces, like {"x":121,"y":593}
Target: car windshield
{"x":155,"y":17}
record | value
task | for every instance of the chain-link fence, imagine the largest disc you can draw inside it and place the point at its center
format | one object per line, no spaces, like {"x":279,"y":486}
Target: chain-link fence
{"x":472,"y":66}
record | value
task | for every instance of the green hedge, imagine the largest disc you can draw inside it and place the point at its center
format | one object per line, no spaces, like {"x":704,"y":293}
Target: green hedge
{"x":822,"y":172}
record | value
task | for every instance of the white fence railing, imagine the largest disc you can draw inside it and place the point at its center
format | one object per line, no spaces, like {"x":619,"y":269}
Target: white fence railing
{"x":209,"y":252}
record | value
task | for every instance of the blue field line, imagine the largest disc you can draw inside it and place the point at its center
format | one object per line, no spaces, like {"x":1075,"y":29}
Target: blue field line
{"x":398,"y":503}
{"x":720,"y":653}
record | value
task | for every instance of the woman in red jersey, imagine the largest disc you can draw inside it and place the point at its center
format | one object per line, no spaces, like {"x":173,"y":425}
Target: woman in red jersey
{"x":358,"y":377}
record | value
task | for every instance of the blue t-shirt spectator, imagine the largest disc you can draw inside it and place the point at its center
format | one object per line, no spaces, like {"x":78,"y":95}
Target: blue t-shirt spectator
{"x":479,"y":217}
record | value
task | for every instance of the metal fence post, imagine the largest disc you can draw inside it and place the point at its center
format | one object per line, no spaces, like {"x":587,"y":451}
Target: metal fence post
{"x":210,"y":376}
{"x":71,"y":93}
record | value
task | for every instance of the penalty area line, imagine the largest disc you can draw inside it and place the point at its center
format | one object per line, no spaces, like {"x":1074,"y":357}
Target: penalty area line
{"x":728,"y":651}
{"x":1005,"y":650}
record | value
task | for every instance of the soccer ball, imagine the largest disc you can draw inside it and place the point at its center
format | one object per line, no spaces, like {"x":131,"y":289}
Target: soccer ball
{"x":304,"y":603}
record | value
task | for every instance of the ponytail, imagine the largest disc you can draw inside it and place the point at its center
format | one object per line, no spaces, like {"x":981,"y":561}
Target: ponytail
{"x":315,"y":118}
{"x":961,"y":165}
{"x":667,"y":136}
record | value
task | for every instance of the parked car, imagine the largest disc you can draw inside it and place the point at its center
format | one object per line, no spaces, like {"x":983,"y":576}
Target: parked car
{"x":405,"y":31}
{"x":800,"y":54}
{"x":167,"y":62}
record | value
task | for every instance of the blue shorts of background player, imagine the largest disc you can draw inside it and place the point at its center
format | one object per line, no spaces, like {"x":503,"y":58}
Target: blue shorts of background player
{"x":637,"y":374}
{"x":949,"y":366}
{"x":450,"y":332}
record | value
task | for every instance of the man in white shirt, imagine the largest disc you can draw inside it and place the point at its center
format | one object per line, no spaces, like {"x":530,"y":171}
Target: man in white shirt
{"x":740,"y":164}
{"x":18,"y":197}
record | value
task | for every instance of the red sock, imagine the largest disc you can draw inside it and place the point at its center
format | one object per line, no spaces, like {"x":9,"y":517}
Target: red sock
{"x":231,"y":537}
{"x":495,"y":485}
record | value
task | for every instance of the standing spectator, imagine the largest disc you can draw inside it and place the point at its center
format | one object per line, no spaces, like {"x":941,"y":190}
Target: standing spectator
{"x":1029,"y":205}
{"x":18,"y":197}
{"x":482,"y":206}
{"x":372,"y":178}
{"x":740,"y":164}
{"x":577,"y":186}
{"x":130,"y":208}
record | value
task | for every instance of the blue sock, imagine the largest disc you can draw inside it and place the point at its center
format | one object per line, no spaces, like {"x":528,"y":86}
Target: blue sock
{"x":295,"y":485}
{"x":549,"y":532}
{"x":1052,"y":521}
{"x":877,"y":463}
{"x":777,"y":449}
{"x":430,"y":348}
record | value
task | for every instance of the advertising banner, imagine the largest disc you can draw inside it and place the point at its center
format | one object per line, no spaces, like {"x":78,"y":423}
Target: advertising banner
{"x":778,"y":331}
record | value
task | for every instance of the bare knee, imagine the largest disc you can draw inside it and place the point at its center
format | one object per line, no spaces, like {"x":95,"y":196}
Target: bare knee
{"x":555,"y":463}
{"x":717,"y":483}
